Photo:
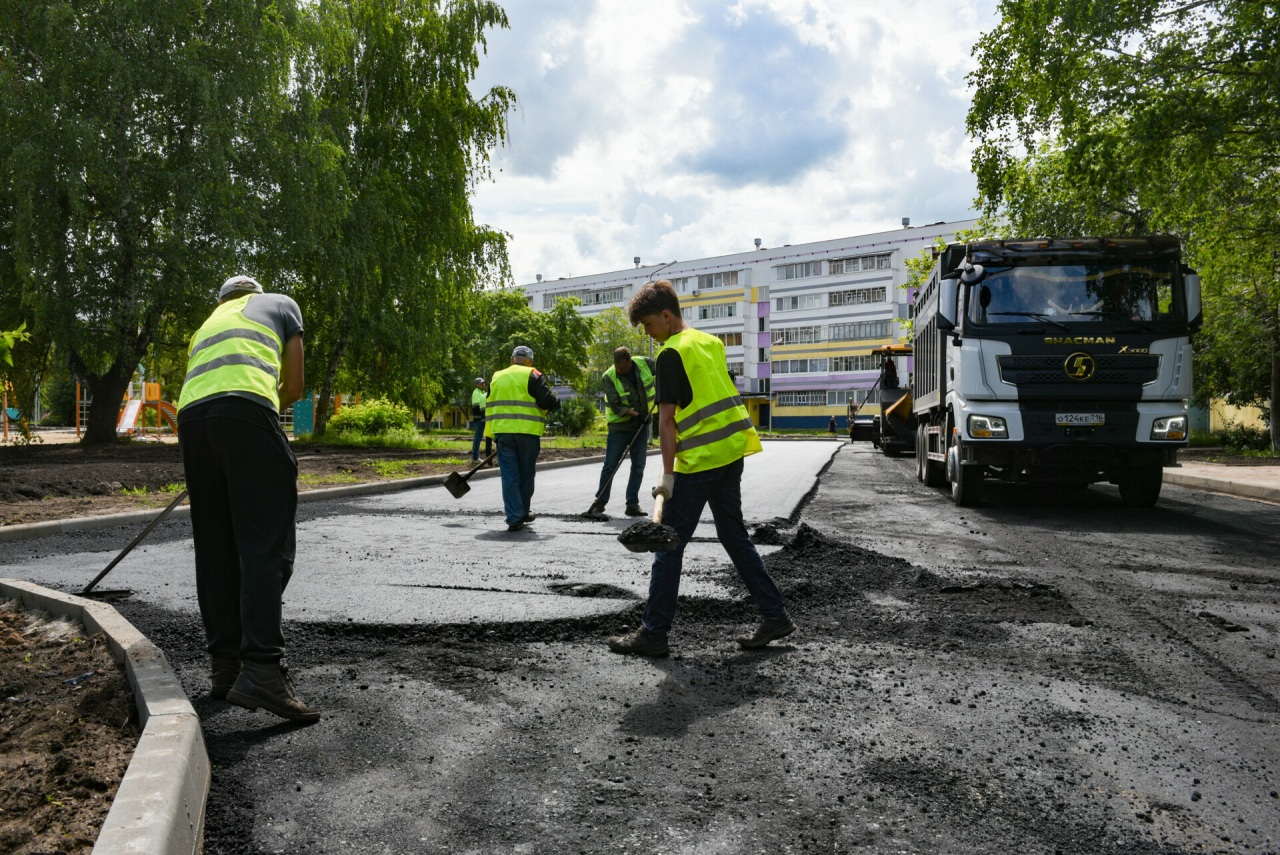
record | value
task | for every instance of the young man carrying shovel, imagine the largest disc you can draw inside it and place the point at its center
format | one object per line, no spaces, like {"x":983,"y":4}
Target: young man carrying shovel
{"x":705,"y":433}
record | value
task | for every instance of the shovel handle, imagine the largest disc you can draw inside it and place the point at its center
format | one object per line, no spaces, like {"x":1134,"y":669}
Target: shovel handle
{"x":492,"y":455}
{"x":155,"y":522}
{"x":658,"y":502}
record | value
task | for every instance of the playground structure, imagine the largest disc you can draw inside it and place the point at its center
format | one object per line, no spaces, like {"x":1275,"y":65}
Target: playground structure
{"x":138,"y":399}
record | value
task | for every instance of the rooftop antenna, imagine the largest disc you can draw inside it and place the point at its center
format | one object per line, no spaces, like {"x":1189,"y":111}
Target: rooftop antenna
{"x":758,"y":244}
{"x":906,"y":222}
{"x":637,"y":261}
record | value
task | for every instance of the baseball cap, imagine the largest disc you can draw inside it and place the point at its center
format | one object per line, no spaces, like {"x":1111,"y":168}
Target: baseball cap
{"x":479,"y":381}
{"x":522,"y":352}
{"x":239,"y":283}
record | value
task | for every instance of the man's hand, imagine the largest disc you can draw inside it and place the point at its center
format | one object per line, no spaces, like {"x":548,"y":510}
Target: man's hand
{"x":633,"y":414}
{"x":665,"y":486}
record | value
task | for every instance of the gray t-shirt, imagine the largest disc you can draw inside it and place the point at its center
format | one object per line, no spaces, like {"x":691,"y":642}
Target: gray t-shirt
{"x":276,"y":312}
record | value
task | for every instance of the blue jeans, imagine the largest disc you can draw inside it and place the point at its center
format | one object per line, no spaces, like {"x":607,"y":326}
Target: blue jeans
{"x":475,"y":441}
{"x":616,"y":444}
{"x":517,"y":454}
{"x":721,"y":487}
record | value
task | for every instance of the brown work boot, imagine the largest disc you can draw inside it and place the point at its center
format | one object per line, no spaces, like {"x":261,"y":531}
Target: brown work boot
{"x":640,"y":643}
{"x":769,"y":630}
{"x":225,"y":671}
{"x":635,"y":511}
{"x":269,"y":687}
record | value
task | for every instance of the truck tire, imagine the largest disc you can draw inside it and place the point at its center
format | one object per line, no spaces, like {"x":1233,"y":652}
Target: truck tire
{"x":966,"y":480}
{"x":1140,"y":486}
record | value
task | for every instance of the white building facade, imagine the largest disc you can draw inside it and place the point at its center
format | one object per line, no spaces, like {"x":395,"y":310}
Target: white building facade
{"x":798,"y":322}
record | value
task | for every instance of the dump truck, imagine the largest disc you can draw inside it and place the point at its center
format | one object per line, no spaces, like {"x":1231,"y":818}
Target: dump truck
{"x":1064,"y":361}
{"x":893,"y":431}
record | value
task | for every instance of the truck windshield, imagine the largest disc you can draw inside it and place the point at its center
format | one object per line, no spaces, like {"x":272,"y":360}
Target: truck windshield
{"x":1138,"y":291}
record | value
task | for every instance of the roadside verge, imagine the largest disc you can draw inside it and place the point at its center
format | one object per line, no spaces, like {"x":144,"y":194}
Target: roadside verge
{"x":46,"y":528}
{"x":159,"y":806}
{"x":1241,"y":485}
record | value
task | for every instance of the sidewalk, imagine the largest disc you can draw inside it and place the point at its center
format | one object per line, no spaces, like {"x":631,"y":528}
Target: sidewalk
{"x":1248,"y":482}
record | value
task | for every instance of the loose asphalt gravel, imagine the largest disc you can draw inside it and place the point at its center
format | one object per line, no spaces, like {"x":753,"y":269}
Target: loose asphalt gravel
{"x":1046,"y":673}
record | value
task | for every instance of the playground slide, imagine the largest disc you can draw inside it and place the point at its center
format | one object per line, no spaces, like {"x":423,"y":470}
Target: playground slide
{"x":133,"y":408}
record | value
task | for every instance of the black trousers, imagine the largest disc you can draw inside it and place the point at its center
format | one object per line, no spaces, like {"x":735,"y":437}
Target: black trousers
{"x":243,"y":481}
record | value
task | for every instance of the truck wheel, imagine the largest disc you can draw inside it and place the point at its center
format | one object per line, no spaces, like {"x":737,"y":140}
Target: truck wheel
{"x":1140,"y":486}
{"x":966,"y":480}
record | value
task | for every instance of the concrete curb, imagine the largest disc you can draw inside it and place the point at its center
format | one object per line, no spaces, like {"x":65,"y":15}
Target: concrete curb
{"x":1222,"y":485}
{"x":159,"y":807}
{"x":25,"y":531}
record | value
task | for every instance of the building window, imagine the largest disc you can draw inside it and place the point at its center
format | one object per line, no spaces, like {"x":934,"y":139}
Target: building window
{"x":802,"y":301}
{"x":800,"y":270}
{"x":863,"y":362}
{"x":860,"y":331}
{"x":681,"y":284}
{"x":587,"y":298}
{"x":800,"y":366}
{"x":763,"y":354}
{"x":717,"y":310}
{"x":857,"y":396}
{"x":730,"y":339}
{"x":796,"y":335}
{"x":718,"y":280}
{"x":802,"y":399}
{"x":735,"y":368}
{"x":879,"y":261}
{"x":687,"y":314}
{"x":856,"y":297}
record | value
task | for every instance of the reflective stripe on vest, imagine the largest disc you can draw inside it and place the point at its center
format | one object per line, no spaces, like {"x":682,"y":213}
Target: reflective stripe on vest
{"x":714,"y":430}
{"x":510,"y":408}
{"x":230,"y":353}
{"x":646,"y":380}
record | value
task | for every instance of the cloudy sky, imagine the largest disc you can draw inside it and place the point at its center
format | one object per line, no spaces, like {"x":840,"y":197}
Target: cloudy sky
{"x":674,"y":129}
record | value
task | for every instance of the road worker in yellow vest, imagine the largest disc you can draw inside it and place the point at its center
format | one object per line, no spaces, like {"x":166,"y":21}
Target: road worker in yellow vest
{"x":705,"y":433}
{"x":244,"y":367}
{"x":628,"y":396}
{"x":515,"y":416}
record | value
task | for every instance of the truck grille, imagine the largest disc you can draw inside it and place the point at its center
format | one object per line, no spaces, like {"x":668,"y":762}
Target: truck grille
{"x":1137,"y":368}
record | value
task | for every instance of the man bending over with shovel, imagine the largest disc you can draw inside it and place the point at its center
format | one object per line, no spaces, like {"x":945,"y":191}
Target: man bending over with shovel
{"x":705,"y":432}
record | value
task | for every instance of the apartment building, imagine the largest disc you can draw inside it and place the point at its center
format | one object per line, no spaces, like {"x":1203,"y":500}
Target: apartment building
{"x":798,"y":322}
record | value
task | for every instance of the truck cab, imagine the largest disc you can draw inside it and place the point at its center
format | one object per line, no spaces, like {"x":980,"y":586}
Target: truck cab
{"x":1065,"y":361}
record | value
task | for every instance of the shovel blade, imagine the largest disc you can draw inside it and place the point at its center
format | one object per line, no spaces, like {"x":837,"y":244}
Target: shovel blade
{"x":456,"y":486}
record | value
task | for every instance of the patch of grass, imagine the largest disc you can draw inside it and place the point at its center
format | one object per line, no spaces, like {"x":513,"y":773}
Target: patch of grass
{"x":406,"y":438}
{"x":139,"y":491}
{"x":176,"y":487}
{"x":1201,"y":438}
{"x":399,"y":468}
{"x":587,"y":440}
{"x":310,"y":479}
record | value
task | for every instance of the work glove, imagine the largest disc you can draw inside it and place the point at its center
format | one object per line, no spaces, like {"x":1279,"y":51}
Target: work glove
{"x":666,"y":486}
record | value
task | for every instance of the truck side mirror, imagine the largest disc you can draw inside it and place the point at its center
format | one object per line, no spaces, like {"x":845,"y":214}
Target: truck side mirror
{"x":948,"y":291}
{"x":1195,"y":309}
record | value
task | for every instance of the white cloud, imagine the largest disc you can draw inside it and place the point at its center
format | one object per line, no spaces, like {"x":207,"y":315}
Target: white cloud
{"x":680,"y":129}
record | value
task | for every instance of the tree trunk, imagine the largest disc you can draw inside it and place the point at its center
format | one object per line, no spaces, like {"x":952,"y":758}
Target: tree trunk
{"x":325,"y":398}
{"x":106,"y":392}
{"x":1275,"y":385}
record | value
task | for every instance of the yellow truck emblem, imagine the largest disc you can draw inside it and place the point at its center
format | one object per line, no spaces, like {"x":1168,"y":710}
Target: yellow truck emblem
{"x":1079,"y":366}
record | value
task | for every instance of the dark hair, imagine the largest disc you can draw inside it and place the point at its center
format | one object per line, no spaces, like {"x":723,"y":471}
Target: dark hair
{"x":653,"y":299}
{"x":622,"y":354}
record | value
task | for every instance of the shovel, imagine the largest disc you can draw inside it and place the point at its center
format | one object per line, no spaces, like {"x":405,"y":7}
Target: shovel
{"x":125,"y":592}
{"x":651,"y":535}
{"x":614,"y":471}
{"x":457,"y":484}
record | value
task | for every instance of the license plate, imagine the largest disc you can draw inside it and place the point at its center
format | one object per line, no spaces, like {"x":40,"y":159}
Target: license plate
{"x":1072,"y":419}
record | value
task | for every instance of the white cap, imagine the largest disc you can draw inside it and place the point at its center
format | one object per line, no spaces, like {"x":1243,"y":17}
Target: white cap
{"x":522,"y":352}
{"x":239,"y":283}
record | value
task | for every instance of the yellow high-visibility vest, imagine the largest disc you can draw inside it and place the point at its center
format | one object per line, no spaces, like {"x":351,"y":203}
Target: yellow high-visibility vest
{"x":510,"y":408}
{"x":231,"y":353}
{"x":715,"y":429}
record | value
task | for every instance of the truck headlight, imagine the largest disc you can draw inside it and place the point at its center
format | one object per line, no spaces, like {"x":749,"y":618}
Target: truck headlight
{"x":1170,"y":427}
{"x":988,"y":427}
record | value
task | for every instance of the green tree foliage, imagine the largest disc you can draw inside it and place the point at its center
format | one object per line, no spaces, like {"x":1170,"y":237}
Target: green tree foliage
{"x":575,"y":417}
{"x":612,"y":331}
{"x":502,"y":320}
{"x":390,"y":142}
{"x":1144,"y":116}
{"x":8,"y":340}
{"x":132,"y":136}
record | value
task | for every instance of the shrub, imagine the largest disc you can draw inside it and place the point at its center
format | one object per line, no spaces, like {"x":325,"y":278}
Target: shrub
{"x":372,"y":417}
{"x":575,"y":417}
{"x":1245,"y":438}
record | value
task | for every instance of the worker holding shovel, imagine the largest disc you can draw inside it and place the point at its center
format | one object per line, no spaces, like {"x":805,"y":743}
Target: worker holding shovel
{"x":628,"y":393}
{"x":705,"y":433}
{"x":515,"y":416}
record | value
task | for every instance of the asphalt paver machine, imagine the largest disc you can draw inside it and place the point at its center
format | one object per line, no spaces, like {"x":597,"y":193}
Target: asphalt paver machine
{"x":893,"y":431}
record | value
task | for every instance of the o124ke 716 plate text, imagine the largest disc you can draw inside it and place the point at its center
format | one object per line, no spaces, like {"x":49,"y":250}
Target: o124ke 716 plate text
{"x":1081,"y":418}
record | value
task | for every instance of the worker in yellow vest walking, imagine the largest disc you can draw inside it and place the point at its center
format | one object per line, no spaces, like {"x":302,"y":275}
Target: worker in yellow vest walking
{"x":244,"y":366}
{"x":516,"y":416}
{"x":628,"y":396}
{"x":478,"y":402}
{"x":705,"y":433}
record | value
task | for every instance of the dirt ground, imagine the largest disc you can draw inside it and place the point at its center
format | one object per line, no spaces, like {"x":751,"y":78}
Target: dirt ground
{"x":60,"y":481}
{"x":63,"y":748}
{"x":1214,"y":454}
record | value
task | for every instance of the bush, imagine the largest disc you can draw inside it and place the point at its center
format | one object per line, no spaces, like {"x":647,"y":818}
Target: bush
{"x":575,"y":417}
{"x":1245,"y":438}
{"x":372,"y":417}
